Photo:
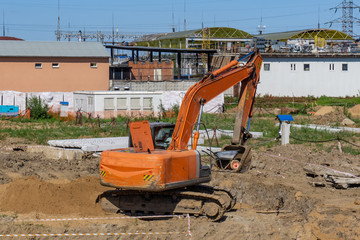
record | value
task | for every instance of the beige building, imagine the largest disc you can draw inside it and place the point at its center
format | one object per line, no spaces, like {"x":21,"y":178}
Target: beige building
{"x":53,"y":66}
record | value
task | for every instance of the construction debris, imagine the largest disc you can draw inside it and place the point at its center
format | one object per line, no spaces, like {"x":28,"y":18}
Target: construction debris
{"x":323,"y":176}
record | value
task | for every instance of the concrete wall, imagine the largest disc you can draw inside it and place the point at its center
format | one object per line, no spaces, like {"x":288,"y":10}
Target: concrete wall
{"x":159,"y":85}
{"x":73,"y":74}
{"x":152,"y":71}
{"x":283,"y":80}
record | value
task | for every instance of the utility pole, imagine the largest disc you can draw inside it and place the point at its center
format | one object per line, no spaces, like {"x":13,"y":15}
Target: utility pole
{"x":261,"y":27}
{"x":3,"y":23}
{"x":173,"y":16}
{"x":58,"y":35}
{"x":347,"y":19}
{"x":319,"y":17}
{"x":184,"y":15}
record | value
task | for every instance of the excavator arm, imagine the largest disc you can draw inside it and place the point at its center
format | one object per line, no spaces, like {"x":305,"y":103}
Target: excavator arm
{"x":212,"y":85}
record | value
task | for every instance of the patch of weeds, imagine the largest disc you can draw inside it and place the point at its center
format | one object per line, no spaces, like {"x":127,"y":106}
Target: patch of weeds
{"x":351,"y":150}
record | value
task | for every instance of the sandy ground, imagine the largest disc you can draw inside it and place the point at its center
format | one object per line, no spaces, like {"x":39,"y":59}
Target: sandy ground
{"x":33,"y":187}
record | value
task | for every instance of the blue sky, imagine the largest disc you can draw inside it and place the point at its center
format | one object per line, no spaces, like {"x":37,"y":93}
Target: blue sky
{"x":36,"y":20}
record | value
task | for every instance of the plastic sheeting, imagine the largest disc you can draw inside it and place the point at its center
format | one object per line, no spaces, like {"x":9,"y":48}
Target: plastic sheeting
{"x":52,"y":99}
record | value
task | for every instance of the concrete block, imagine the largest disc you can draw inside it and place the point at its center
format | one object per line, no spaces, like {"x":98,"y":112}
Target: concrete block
{"x":57,"y":153}
{"x":92,"y":144}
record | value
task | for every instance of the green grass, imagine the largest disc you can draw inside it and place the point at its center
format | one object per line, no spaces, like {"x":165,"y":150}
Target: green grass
{"x":43,"y":130}
{"x":301,"y":105}
{"x":315,"y":138}
{"x":40,"y":131}
{"x":332,"y":101}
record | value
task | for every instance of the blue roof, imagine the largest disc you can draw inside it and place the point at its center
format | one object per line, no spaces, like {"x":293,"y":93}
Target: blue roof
{"x":285,"y":118}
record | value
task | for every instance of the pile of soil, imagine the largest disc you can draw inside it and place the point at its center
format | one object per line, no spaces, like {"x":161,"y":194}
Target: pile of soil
{"x":326,"y":117}
{"x":32,"y":194}
{"x":355,"y":111}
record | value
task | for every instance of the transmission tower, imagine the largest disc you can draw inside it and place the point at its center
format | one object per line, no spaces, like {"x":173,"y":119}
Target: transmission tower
{"x":347,"y":19}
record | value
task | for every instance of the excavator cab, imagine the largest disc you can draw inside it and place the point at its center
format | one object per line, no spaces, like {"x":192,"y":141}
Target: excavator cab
{"x":161,"y":133}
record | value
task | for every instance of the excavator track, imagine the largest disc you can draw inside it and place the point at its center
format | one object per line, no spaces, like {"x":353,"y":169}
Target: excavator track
{"x":196,"y":200}
{"x":227,"y":196}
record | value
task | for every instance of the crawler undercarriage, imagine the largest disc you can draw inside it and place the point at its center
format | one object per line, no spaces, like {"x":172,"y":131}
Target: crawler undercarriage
{"x":197,"y":200}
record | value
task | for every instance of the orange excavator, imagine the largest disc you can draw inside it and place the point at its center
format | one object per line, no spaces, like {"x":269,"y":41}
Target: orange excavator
{"x":151,"y":180}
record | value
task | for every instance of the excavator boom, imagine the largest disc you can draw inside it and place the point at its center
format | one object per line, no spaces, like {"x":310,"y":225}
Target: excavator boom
{"x":209,"y":87}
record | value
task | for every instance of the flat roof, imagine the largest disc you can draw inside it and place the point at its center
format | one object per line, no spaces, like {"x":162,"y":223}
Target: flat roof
{"x":311,"y":55}
{"x":118,"y":92}
{"x":52,"y":49}
{"x":157,"y":49}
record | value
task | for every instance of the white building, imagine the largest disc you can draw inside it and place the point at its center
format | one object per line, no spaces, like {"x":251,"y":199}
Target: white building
{"x":336,"y":75}
{"x":109,"y":104}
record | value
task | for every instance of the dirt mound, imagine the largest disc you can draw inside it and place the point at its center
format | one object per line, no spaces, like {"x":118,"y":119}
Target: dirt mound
{"x":330,"y":118}
{"x":325,"y":110}
{"x":355,"y":111}
{"x":35,"y":195}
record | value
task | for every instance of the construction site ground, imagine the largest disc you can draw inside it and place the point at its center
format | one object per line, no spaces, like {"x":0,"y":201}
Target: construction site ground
{"x":275,"y":199}
{"x":284,"y":195}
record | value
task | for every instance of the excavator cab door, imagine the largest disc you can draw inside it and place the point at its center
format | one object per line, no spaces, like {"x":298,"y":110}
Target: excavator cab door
{"x":141,"y":136}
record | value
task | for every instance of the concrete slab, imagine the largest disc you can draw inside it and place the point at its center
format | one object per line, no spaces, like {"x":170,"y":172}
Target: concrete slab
{"x":92,"y":144}
{"x":327,"y":128}
{"x":229,"y":133}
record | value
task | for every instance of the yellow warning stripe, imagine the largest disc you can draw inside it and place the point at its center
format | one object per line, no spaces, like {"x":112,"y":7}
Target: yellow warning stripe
{"x":87,"y":234}
{"x":103,"y":173}
{"x":148,"y":177}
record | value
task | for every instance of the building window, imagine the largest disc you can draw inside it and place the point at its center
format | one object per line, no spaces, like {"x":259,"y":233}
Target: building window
{"x":38,"y":65}
{"x":293,"y":66}
{"x":90,"y":101}
{"x":135,"y":103}
{"x":93,"y":65}
{"x":344,"y":67}
{"x":147,"y":103}
{"x":122,"y":103}
{"x":55,"y":65}
{"x":109,"y":104}
{"x":306,"y":67}
{"x":331,"y":67}
{"x":266,"y":66}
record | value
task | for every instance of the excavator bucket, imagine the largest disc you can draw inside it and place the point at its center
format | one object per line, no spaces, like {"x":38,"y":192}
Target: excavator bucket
{"x":236,"y":158}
